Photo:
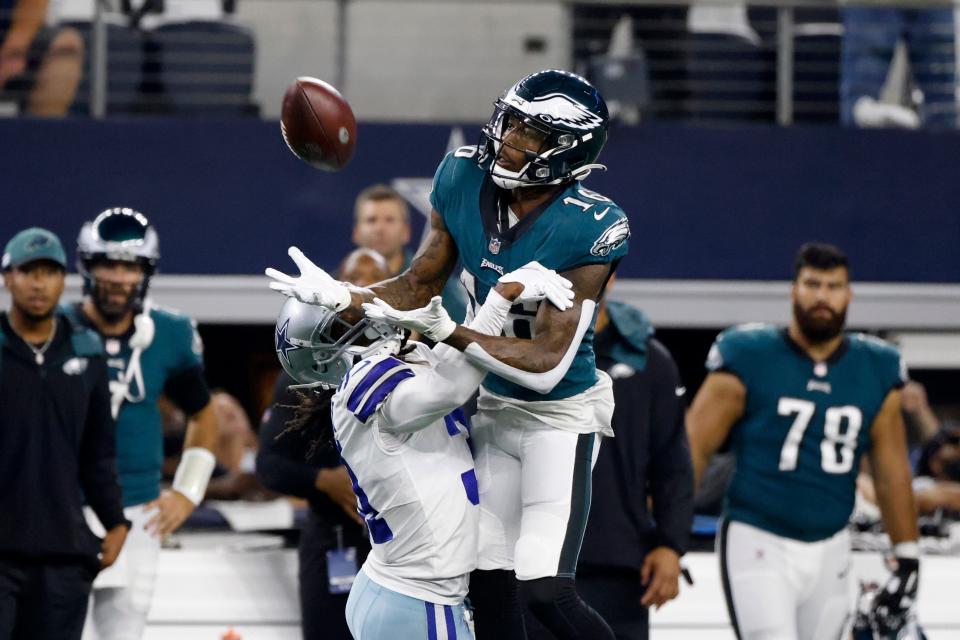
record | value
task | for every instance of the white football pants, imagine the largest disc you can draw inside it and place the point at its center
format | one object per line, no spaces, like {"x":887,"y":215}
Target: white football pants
{"x":120,"y":600}
{"x":784,"y":589}
{"x":533,"y":473}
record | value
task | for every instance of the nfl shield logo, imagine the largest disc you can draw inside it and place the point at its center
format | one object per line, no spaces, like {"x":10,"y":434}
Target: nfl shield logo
{"x":494,"y":246}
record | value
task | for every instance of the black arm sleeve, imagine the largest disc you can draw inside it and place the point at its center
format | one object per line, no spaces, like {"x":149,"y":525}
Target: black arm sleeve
{"x":98,"y":455}
{"x":188,"y":390}
{"x":671,"y":469}
{"x":281,"y":463}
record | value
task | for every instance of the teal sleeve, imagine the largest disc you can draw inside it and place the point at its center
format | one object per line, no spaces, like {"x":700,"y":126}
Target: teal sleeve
{"x":894,"y":369}
{"x":727,"y":355}
{"x":595,"y":244}
{"x":442,"y":182}
{"x":187,"y":345}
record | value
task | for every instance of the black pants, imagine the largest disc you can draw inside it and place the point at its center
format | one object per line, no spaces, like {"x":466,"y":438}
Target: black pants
{"x":615,"y":594}
{"x":44,"y":600}
{"x":322,"y":613}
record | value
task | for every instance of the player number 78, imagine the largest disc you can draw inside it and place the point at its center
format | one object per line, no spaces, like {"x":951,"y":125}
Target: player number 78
{"x":832,"y":460}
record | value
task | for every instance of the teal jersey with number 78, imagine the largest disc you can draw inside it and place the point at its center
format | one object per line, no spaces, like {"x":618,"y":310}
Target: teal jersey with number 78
{"x":576,"y":228}
{"x":804,"y":428}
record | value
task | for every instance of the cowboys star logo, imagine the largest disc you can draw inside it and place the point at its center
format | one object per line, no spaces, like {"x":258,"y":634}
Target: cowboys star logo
{"x":283,"y":344}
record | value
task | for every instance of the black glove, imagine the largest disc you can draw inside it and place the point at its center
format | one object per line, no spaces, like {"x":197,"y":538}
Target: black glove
{"x":893,"y":602}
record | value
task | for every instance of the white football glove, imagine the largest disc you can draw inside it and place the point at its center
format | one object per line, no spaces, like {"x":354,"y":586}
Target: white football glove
{"x":539,"y":283}
{"x":432,"y":321}
{"x":313,"y":286}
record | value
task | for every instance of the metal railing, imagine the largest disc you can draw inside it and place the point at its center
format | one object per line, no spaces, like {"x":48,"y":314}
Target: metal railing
{"x":768,"y":61}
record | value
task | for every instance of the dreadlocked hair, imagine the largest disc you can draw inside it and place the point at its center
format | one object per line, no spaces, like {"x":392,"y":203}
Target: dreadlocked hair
{"x":311,"y":414}
{"x":311,"y":420}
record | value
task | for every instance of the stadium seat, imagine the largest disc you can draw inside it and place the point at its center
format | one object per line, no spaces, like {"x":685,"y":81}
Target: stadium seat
{"x":202,"y":68}
{"x":124,"y":69}
{"x":730,"y":79}
{"x":624,"y":83}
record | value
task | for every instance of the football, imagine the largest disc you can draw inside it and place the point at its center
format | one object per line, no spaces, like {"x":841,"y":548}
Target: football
{"x":318,"y":124}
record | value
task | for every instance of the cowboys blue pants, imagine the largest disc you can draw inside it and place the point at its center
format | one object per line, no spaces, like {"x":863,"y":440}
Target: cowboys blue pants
{"x":377,"y":613}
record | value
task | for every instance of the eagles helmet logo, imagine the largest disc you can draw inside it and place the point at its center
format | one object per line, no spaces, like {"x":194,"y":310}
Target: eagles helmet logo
{"x":557,"y":108}
{"x":614,"y":236}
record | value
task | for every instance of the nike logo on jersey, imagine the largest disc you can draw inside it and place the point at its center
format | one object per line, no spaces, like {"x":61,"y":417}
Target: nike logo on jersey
{"x":680,"y":391}
{"x":486,"y":264}
{"x":599,"y":216}
{"x":817,"y":385}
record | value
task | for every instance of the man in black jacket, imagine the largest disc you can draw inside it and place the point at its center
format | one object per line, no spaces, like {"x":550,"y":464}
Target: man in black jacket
{"x":56,"y":446}
{"x":630,"y":558}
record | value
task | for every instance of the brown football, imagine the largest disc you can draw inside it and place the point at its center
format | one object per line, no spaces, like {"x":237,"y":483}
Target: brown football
{"x":318,"y":124}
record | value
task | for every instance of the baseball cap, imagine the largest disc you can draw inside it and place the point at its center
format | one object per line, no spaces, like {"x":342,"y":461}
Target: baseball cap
{"x":33,"y":244}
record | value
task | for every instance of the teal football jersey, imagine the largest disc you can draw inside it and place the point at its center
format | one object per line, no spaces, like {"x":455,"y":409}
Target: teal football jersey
{"x":176,"y":347}
{"x":578,"y":227}
{"x":804,"y":428}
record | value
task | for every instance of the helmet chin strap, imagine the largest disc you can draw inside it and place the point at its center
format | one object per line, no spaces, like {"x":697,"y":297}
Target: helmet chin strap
{"x":143,"y":334}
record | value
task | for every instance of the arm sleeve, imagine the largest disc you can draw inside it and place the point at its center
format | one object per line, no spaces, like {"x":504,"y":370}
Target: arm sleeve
{"x":281,"y":466}
{"x":438,"y":199}
{"x":189,"y":345}
{"x":188,"y":390}
{"x":725,"y":355}
{"x":670,"y":476}
{"x":436,"y":391}
{"x":98,"y":458}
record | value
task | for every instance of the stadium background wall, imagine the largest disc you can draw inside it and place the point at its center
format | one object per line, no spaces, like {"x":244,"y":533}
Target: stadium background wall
{"x":228,"y":197}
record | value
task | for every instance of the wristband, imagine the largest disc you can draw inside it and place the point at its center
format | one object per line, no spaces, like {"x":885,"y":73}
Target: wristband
{"x":908,"y":549}
{"x":193,"y":473}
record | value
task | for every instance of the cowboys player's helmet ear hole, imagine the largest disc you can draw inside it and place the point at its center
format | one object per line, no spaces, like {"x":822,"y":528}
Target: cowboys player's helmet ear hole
{"x":118,"y":234}
{"x":317,"y":346}
{"x":563,"y":108}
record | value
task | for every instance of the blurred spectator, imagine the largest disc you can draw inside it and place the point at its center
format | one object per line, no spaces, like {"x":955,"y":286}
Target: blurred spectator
{"x":936,"y":485}
{"x":301,"y":463}
{"x":236,"y":442}
{"x":869,"y":40}
{"x":39,"y":67}
{"x":921,"y":422}
{"x":234,"y":476}
{"x":381,"y":221}
{"x":630,"y":557}
{"x":56,"y":439}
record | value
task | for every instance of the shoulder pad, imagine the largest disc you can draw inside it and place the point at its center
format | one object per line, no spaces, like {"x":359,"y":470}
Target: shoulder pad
{"x":733,"y":343}
{"x":168,"y":314}
{"x":885,"y":354}
{"x":368,"y":384}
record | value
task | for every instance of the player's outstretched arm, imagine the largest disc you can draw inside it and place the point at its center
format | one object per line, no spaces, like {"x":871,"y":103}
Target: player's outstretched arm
{"x":716,"y":408}
{"x":447,"y":385}
{"x":891,"y":471}
{"x":424,"y":278}
{"x":541,"y":362}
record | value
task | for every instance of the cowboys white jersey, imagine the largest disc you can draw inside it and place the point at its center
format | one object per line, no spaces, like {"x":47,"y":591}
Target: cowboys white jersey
{"x":412,"y":471}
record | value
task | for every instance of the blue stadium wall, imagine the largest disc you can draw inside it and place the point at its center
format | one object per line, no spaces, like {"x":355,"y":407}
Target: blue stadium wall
{"x":228,"y":197}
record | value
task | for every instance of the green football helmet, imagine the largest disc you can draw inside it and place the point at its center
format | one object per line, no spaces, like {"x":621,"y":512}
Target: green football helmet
{"x":569,"y":114}
{"x":316,"y":346}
